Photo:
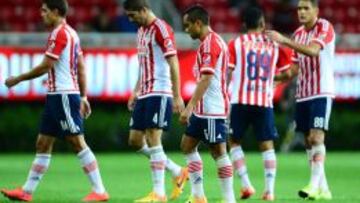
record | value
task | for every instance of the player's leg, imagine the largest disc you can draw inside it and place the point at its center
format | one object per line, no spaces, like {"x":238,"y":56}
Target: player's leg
{"x":320,"y":110}
{"x":71,"y":128}
{"x":216,"y":137}
{"x":265,"y":130}
{"x":238,"y":126}
{"x":193,"y":135}
{"x":44,"y":145}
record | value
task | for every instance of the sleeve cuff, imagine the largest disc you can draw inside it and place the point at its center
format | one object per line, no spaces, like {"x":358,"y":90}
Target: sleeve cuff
{"x":207,"y":70}
{"x":231,"y":66}
{"x":293,"y":59}
{"x":53,"y":56}
{"x":170,"y":53}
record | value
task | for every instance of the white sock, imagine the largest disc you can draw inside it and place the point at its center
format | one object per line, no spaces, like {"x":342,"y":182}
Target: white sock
{"x":157,"y":161}
{"x":195,"y":166}
{"x":269,"y":159}
{"x":39,"y":167}
{"x":225,"y":176}
{"x":170,"y":165}
{"x":317,"y":166}
{"x":90,"y":167}
{"x":309,"y":156}
{"x":238,"y":160}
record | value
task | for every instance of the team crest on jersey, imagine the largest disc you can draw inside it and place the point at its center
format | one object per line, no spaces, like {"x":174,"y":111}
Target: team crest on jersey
{"x":206,"y":59}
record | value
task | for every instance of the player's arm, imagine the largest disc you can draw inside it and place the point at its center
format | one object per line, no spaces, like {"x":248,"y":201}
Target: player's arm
{"x":313,"y":49}
{"x":134,"y":95}
{"x":288,"y":74}
{"x":35,"y":72}
{"x":200,"y":90}
{"x":85,"y":108}
{"x":229,"y":76}
{"x":175,"y":79}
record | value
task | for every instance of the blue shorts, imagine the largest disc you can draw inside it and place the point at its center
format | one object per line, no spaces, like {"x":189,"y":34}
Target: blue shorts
{"x":260,"y":118}
{"x":208,"y":130}
{"x":152,"y":112}
{"x":313,"y":114}
{"x":61,"y":116}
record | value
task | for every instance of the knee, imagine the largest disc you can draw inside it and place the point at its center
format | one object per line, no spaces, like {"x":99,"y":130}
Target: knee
{"x":186,"y":149}
{"x":43,"y":146}
{"x":135,"y":142}
{"x":266,"y":145}
{"x":316,"y":137}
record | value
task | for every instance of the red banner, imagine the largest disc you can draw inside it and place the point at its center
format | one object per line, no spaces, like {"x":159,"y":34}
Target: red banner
{"x":112,"y":74}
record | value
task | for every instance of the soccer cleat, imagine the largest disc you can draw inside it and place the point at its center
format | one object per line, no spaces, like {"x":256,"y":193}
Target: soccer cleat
{"x":152,"y":197}
{"x":179,"y":183}
{"x":308,"y":192}
{"x":325,"y":195}
{"x":96,"y":197}
{"x":17,"y":194}
{"x":247,"y":192}
{"x":193,"y":199}
{"x":268,"y":197}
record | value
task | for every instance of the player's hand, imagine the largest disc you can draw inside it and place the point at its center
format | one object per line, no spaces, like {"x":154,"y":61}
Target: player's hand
{"x":276,"y":36}
{"x":12,"y":81}
{"x":85,"y":109}
{"x":185,"y":115}
{"x":178,"y":104}
{"x":131,"y":102}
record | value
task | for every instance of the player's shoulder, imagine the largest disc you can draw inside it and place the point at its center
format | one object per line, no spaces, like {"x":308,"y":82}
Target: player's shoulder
{"x":324,"y":24}
{"x":299,"y":30}
{"x":212,"y":42}
{"x":162,"y":26}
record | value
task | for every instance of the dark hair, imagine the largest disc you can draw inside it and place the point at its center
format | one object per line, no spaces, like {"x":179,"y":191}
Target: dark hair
{"x":136,"y":5}
{"x":315,"y":3}
{"x":60,"y":5}
{"x":197,"y":12}
{"x":252,"y":17}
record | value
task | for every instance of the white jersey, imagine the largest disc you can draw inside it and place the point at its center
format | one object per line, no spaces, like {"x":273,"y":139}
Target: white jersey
{"x":64,"y":46}
{"x":316,"y":76}
{"x":212,"y":58}
{"x":155,"y":43}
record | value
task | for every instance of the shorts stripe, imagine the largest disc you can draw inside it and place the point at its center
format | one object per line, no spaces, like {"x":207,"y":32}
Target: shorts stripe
{"x":162,"y":111}
{"x":328,"y":112}
{"x":69,"y":120}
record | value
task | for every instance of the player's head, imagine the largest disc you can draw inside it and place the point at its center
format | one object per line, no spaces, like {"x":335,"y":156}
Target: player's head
{"x":137,"y":11}
{"x":254,"y":19}
{"x":308,"y":10}
{"x":52,"y":10}
{"x":194,"y":19}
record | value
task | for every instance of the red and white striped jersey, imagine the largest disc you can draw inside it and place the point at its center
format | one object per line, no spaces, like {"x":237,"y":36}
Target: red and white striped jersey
{"x":212,"y":58}
{"x":155,"y":43}
{"x":316,"y":75}
{"x":255,"y":59}
{"x":64,"y":46}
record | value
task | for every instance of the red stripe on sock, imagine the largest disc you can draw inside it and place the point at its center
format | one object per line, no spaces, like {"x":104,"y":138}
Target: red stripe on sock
{"x":225,"y":172}
{"x":90,"y":167}
{"x":195,"y":166}
{"x":158,"y":165}
{"x":38,"y":168}
{"x":318,"y":158}
{"x":239,"y":163}
{"x":269,"y":164}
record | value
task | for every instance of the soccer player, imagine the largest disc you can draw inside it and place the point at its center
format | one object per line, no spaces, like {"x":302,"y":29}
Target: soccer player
{"x":66,"y":103}
{"x":156,"y":95}
{"x":314,"y":43}
{"x":207,"y":110}
{"x":254,"y":60}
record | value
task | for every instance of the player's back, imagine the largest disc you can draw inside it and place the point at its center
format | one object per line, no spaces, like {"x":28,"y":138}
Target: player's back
{"x":255,"y":59}
{"x":63,"y":46}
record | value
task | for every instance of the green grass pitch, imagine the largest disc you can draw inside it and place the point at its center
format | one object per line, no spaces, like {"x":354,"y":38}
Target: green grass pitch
{"x":127,"y":177}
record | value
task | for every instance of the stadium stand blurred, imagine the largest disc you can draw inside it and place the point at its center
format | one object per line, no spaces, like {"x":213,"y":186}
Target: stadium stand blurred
{"x":23,"y":15}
